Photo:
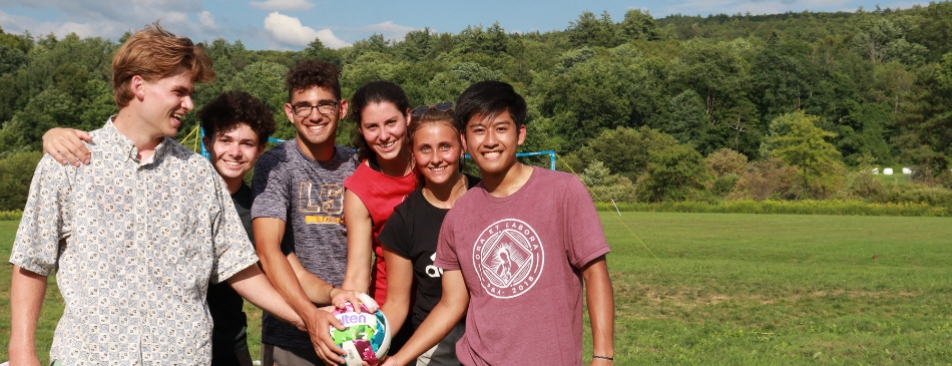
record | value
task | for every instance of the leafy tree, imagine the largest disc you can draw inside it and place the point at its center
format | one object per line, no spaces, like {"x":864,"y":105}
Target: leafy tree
{"x":11,"y":59}
{"x":924,"y":125}
{"x":50,"y":108}
{"x":623,"y":150}
{"x":726,"y":161}
{"x":265,"y":81}
{"x":638,"y":26}
{"x":804,"y":147}
{"x":881,"y":40}
{"x":317,"y":51}
{"x":16,"y":173}
{"x":715,"y":71}
{"x":591,"y":31}
{"x":673,"y":174}
{"x":472,"y":72}
{"x":689,"y":122}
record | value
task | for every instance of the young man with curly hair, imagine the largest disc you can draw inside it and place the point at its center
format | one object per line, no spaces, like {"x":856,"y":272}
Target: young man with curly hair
{"x":138,"y":235}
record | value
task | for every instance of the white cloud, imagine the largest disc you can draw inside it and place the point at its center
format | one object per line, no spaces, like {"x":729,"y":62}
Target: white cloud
{"x":290,"y":31}
{"x":282,"y":5}
{"x":207,"y":20}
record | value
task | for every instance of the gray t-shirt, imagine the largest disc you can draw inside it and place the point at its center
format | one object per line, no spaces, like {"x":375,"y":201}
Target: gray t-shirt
{"x":309,"y":196}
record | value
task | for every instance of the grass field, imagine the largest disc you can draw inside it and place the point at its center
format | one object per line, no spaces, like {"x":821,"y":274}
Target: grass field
{"x":732,"y":289}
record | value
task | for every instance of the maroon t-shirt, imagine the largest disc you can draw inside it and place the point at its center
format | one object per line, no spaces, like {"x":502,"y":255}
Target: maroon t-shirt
{"x":521,"y":258}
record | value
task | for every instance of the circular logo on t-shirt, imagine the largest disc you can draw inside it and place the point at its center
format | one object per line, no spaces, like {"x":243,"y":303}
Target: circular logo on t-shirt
{"x":508,"y":257}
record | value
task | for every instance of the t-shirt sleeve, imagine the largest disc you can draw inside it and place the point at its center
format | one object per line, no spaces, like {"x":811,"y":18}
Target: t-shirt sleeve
{"x":446,"y":256}
{"x":585,"y":238}
{"x":395,"y":233}
{"x":46,"y":219}
{"x":233,"y":251}
{"x":270,"y":189}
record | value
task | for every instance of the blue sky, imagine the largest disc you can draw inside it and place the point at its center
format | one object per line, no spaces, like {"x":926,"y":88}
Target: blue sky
{"x":291,"y":24}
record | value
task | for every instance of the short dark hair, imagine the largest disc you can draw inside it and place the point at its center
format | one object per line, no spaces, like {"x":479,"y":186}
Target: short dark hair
{"x":486,"y":98}
{"x":311,"y":73}
{"x":232,"y":108}
{"x":374,"y":92}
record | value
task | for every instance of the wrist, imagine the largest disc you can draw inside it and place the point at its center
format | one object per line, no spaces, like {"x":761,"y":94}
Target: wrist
{"x":330,"y":293}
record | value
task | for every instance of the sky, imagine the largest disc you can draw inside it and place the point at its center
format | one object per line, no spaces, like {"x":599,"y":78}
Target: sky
{"x":292,"y":24}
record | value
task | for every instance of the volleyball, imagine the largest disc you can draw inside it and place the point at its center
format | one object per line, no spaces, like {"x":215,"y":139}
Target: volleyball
{"x":366,"y":336}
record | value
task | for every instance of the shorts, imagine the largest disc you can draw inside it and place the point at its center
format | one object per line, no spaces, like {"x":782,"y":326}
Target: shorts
{"x":443,"y":353}
{"x":272,"y":355}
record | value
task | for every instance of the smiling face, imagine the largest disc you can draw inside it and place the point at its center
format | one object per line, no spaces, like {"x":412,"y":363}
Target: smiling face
{"x":165,"y":102}
{"x":437,"y":151}
{"x":234,"y":152}
{"x":316,"y":129}
{"x":493,"y":143}
{"x":384,"y":127}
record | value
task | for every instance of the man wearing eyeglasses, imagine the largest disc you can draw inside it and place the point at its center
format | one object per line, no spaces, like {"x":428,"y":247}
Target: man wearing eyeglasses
{"x":298,"y":215}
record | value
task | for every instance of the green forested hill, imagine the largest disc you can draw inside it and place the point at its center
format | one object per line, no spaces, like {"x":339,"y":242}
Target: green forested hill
{"x":877,"y":84}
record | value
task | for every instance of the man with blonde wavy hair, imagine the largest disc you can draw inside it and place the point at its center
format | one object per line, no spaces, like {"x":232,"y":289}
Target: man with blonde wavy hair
{"x":137,"y":235}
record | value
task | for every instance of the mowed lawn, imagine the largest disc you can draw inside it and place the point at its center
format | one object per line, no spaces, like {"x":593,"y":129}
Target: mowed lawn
{"x":729,"y":289}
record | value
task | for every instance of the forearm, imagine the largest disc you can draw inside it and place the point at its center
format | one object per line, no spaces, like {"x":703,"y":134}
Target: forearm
{"x":396,"y":311}
{"x":252,"y":285}
{"x":359,"y":244}
{"x":284,"y":280}
{"x":26,"y":300}
{"x":441,"y":320}
{"x":437,"y":325}
{"x":601,"y":307}
{"x":317,"y":291}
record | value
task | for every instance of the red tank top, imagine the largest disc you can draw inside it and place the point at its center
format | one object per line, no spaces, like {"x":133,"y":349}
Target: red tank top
{"x":380,"y":193}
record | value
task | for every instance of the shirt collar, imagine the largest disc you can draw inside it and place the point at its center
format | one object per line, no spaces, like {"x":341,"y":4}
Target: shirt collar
{"x":125,"y":148}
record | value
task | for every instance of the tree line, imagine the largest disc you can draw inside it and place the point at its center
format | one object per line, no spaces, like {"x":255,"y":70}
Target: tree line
{"x":818,"y":92}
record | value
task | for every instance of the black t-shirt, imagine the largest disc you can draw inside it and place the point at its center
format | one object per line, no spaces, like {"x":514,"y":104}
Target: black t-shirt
{"x":230,"y":324}
{"x":412,"y":232}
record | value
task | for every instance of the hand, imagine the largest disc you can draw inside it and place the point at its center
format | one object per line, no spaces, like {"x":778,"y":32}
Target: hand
{"x":340,"y":297}
{"x":66,"y":144}
{"x":389,"y":361}
{"x":319,"y":322}
{"x":601,"y":362}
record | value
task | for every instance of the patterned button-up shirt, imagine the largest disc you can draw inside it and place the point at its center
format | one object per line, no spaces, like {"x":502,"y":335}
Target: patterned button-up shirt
{"x":134,"y":244}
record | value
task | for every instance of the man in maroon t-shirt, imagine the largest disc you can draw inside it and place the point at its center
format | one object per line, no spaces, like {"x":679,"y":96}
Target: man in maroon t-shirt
{"x":515,"y":250}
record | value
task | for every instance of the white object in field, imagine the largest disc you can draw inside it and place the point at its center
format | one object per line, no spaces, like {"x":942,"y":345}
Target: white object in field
{"x":875,"y":171}
{"x":5,"y":363}
{"x":256,"y":362}
{"x":906,"y":171}
{"x":887,"y":171}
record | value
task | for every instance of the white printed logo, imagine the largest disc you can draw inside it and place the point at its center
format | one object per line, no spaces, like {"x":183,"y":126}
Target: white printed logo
{"x":508,"y":258}
{"x":432,"y":270}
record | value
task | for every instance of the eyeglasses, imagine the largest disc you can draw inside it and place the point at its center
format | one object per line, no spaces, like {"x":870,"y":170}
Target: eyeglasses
{"x":304,"y":110}
{"x":441,"y":106}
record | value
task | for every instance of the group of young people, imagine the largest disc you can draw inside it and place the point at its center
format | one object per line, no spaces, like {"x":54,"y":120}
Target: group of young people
{"x":153,"y":260}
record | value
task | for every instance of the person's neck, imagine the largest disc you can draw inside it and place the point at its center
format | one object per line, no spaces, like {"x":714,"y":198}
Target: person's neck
{"x":398,"y":167}
{"x":137,"y":130}
{"x":319,"y":152}
{"x":504,"y":184}
{"x":233,"y":184}
{"x":445,"y":195}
